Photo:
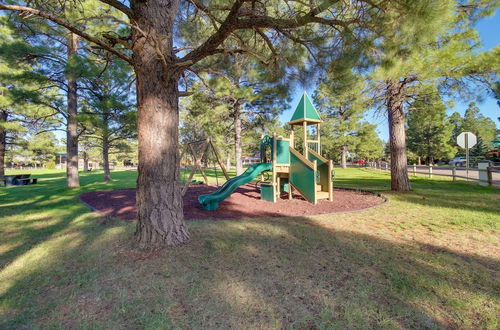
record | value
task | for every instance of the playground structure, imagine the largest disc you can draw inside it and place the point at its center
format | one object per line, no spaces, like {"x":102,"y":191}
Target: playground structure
{"x":308,"y":172}
{"x":198,"y":149}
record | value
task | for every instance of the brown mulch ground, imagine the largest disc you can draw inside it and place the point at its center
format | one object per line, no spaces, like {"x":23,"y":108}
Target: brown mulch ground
{"x":243,"y":203}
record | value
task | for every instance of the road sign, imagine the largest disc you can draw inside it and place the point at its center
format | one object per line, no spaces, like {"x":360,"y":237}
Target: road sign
{"x":466,"y":140}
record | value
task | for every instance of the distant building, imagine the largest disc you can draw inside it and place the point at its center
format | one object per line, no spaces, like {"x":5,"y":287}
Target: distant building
{"x":250,"y":160}
{"x":61,"y":161}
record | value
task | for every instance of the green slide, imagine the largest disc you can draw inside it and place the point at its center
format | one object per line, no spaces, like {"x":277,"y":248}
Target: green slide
{"x":211,"y":201}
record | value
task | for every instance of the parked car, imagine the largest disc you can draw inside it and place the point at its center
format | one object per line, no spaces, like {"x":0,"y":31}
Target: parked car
{"x":359,"y":161}
{"x":457,"y":161}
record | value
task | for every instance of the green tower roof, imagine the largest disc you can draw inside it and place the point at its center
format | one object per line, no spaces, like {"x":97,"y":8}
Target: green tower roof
{"x":305,"y":111}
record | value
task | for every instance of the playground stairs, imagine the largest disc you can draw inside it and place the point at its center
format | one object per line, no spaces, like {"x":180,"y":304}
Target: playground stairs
{"x":321,"y":194}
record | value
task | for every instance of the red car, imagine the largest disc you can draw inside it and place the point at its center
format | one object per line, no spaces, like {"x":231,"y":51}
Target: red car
{"x":359,"y":161}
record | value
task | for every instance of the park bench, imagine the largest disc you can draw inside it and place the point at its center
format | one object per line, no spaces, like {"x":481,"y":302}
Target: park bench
{"x":18,"y":180}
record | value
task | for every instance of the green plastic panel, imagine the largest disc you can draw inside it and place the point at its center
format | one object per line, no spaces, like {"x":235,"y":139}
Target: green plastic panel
{"x":266,"y":192}
{"x":284,"y":185}
{"x":305,"y":110}
{"x":299,"y":112}
{"x":303,"y":178}
{"x":282,"y":152}
{"x":310,"y":110}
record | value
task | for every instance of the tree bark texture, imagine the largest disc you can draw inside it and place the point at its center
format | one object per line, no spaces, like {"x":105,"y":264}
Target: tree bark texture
{"x":105,"y":148}
{"x":237,"y":138}
{"x":344,"y":157}
{"x":228,"y":161}
{"x":85,"y":156}
{"x":159,"y":201}
{"x":105,"y":160}
{"x":73,"y":180}
{"x":3,"y":142}
{"x":397,"y":136}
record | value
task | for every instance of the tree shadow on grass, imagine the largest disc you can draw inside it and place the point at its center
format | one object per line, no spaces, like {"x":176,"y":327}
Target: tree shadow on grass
{"x":29,"y":215}
{"x":253,"y":273}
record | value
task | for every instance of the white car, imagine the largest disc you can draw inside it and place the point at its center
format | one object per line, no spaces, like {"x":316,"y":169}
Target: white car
{"x":457,"y":161}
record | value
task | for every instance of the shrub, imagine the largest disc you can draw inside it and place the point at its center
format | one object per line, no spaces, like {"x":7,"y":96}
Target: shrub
{"x":50,"y":165}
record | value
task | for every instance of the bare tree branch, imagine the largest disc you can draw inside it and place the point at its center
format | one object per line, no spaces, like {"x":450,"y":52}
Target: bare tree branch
{"x":120,"y":6}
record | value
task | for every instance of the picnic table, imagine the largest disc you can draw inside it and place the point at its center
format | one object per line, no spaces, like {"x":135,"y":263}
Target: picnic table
{"x":18,"y":180}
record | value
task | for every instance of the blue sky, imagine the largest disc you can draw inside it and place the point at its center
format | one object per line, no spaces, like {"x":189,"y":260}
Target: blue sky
{"x":489,"y":31}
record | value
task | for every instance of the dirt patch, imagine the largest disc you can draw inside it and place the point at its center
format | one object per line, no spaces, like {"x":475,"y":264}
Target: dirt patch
{"x":245,"y":202}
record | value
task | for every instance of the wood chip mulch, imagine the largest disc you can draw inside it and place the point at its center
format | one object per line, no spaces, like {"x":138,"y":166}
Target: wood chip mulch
{"x":245,"y":202}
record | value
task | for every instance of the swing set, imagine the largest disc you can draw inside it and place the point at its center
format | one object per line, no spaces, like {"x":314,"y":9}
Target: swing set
{"x":198,"y":150}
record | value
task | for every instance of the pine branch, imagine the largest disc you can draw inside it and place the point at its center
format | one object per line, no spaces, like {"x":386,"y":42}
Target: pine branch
{"x":68,"y":26}
{"x":120,"y":6}
{"x":234,"y":22}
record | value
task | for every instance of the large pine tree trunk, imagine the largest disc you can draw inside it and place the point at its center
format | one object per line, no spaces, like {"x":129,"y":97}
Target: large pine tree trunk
{"x":72,"y":122}
{"x":237,"y":138}
{"x":105,"y":148}
{"x":159,"y":200}
{"x":344,"y":157}
{"x":3,"y":142}
{"x":105,"y":159}
{"x":85,"y":161}
{"x":228,"y":161}
{"x":397,"y":136}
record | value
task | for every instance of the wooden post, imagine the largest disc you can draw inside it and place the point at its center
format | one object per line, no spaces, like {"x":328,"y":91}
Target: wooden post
{"x":490,"y":175}
{"x":330,"y":180}
{"x":275,"y":177}
{"x":305,"y":138}
{"x":430,"y":171}
{"x":414,"y":169}
{"x":315,"y":162}
{"x":319,"y":139}
{"x":278,"y":187}
{"x":454,"y":173}
{"x":219,"y":159}
{"x":292,"y":141}
{"x":386,"y":166}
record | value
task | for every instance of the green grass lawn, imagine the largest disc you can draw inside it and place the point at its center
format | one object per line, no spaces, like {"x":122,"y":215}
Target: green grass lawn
{"x":427,"y":259}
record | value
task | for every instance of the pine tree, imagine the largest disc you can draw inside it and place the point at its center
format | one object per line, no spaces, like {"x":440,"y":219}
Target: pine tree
{"x":317,"y":28}
{"x":19,"y":118}
{"x":429,"y":130}
{"x":249,"y":94}
{"x":109,"y":113}
{"x":369,"y":147}
{"x":340,"y":97}
{"x":473,"y":121}
{"x":42,"y":147}
{"x":437,"y":47}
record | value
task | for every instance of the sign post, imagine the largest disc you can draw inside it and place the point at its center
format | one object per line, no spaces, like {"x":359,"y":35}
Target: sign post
{"x":466,"y":140}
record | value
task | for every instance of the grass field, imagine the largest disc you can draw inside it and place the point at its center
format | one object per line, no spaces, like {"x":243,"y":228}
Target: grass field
{"x":426,"y":259}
